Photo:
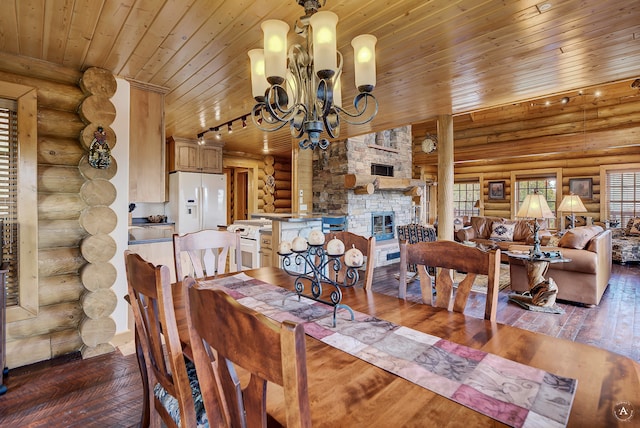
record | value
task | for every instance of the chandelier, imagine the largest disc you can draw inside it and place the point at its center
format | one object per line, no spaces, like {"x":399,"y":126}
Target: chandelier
{"x":301,"y":86}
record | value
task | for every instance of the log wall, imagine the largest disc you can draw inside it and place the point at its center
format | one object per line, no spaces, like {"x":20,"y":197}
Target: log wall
{"x":55,"y":330}
{"x":575,"y":139}
{"x":274,"y":185}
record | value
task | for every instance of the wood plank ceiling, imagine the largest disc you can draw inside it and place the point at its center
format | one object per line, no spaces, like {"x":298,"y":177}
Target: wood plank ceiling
{"x":433,"y":57}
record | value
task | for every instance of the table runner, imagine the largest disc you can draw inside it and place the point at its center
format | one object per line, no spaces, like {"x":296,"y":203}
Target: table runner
{"x":510,"y":392}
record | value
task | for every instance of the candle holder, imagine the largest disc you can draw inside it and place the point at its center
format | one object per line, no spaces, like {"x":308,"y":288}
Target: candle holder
{"x":315,"y":268}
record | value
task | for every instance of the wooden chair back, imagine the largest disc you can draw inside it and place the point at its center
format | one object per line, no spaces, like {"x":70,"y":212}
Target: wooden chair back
{"x":149,"y":291}
{"x":450,"y":256}
{"x":206,"y":253}
{"x":366,"y":245}
{"x":270,"y":351}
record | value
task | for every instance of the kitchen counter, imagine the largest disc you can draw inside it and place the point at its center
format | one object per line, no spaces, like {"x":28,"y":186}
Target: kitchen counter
{"x":150,"y":234}
{"x":288,"y":217}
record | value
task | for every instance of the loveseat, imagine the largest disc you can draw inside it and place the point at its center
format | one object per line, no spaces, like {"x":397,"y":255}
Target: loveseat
{"x":500,"y":232}
{"x":585,"y":278}
{"x":626,"y":242}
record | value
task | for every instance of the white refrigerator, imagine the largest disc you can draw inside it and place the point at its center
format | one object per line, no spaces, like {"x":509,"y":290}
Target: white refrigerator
{"x":197,"y":201}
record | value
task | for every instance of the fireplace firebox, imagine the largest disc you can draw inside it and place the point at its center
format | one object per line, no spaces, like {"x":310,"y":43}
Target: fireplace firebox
{"x":382,"y":225}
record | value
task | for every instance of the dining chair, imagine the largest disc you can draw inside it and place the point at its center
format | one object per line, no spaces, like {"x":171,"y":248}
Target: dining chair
{"x":334,"y":224}
{"x":171,"y":385}
{"x":267,"y":350}
{"x":206,"y":253}
{"x":366,"y":245}
{"x":447,"y":257}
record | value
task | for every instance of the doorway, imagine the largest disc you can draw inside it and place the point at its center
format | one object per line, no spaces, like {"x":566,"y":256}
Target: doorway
{"x":240,"y":194}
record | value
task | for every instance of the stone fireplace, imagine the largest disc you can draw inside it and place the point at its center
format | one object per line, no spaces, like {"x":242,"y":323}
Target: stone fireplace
{"x":356,"y":156}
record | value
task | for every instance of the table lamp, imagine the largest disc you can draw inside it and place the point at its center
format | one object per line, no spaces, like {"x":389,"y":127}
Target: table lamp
{"x":572,"y":204}
{"x":479,"y":205}
{"x":535,"y":206}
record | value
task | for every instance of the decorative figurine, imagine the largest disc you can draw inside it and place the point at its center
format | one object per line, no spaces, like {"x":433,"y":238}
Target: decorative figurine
{"x":99,"y":152}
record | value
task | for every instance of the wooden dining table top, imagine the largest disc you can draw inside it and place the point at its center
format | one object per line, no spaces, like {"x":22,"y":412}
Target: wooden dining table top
{"x":347,"y":391}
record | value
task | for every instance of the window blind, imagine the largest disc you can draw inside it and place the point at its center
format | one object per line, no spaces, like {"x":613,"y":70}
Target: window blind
{"x":8,"y":195}
{"x":623,"y":195}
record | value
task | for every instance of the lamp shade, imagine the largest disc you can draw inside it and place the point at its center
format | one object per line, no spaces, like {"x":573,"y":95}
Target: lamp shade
{"x":364,"y":61}
{"x":572,"y":203}
{"x":275,"y":49}
{"x":259,"y":82}
{"x":325,"y":57}
{"x":535,"y":206}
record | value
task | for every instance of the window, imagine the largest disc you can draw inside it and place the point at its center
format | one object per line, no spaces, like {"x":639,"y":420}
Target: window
{"x":465,"y":195}
{"x":544,"y":185}
{"x":25,"y":230}
{"x":623,"y":195}
{"x":8,"y":194}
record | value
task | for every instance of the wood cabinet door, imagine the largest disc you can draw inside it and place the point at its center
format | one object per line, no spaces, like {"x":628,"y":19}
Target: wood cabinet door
{"x":211,"y":159}
{"x":146,"y":146}
{"x":186,"y":157}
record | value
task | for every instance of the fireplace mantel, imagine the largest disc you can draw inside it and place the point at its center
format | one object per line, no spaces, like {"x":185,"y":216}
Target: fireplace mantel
{"x":360,"y":181}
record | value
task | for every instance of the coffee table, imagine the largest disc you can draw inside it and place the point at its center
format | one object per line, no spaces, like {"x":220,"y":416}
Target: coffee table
{"x":542,"y":292}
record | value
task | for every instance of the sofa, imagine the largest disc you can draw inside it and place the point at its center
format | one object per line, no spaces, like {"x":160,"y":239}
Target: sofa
{"x":499,"y":232}
{"x":582,"y":280}
{"x":626,"y":242}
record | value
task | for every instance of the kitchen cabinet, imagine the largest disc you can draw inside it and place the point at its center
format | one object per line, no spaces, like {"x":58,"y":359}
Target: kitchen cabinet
{"x":187,"y":155}
{"x":266,"y":249}
{"x":147,"y":162}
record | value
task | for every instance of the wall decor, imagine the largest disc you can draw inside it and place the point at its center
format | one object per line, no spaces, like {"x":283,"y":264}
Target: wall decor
{"x":99,"y":152}
{"x":496,"y":190}
{"x":582,"y":187}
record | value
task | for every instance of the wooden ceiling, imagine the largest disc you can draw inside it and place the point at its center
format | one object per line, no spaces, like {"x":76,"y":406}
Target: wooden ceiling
{"x":433,"y":57}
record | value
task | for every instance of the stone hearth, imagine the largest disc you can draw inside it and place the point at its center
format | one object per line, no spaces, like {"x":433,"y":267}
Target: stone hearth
{"x":355,"y":156}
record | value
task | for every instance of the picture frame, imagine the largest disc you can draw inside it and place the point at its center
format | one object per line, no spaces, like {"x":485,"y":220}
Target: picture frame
{"x":582,"y":187}
{"x":496,"y":190}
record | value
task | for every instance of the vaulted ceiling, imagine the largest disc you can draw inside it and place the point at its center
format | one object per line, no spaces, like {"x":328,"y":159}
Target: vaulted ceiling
{"x":433,"y":57}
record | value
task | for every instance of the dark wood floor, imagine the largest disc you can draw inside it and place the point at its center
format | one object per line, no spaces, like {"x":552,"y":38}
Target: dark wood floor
{"x":106,"y":391}
{"x":613,"y":325}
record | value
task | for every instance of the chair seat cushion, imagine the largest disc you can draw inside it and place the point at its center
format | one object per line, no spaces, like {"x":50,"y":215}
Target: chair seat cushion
{"x":171,"y":403}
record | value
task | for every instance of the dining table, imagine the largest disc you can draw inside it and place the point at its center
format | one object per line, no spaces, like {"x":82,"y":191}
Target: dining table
{"x":347,"y":391}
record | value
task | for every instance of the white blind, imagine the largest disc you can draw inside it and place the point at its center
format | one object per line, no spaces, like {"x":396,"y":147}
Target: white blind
{"x":8,"y":195}
{"x":623,"y":195}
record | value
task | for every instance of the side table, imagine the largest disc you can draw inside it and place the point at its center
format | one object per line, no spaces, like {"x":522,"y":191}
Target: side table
{"x":542,"y":292}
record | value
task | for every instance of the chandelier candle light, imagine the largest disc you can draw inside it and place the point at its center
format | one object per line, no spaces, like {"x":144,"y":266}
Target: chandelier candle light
{"x":301,"y":86}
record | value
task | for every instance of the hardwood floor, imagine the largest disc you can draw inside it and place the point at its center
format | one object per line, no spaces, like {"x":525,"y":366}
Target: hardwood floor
{"x":106,"y":391}
{"x":614,"y":324}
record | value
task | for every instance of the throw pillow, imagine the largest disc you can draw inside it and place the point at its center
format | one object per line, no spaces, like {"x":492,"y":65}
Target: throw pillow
{"x":627,"y":229}
{"x":578,"y":237}
{"x":502,"y":231}
{"x":553,"y":241}
{"x":635,"y":227}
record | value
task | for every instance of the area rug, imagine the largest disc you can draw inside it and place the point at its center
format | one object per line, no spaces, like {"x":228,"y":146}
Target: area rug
{"x":479,"y":284}
{"x":522,"y":301}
